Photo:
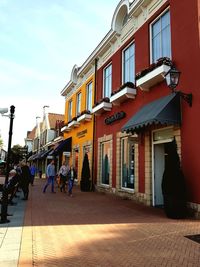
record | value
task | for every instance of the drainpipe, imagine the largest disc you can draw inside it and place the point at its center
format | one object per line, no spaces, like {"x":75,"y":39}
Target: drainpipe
{"x":94,"y":122}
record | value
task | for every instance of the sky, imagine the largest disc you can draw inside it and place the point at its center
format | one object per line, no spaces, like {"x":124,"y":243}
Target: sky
{"x":40,"y":42}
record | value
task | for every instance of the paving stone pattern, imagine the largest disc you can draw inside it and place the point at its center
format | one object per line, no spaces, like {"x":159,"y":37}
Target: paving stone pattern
{"x":97,"y":230}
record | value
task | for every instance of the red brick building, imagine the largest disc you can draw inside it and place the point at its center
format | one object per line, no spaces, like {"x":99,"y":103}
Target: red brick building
{"x":137,"y":115}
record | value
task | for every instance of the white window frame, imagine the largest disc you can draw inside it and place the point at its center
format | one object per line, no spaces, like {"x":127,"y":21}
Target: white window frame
{"x":78,"y":103}
{"x":123,"y":71}
{"x":70,"y":109}
{"x":89,"y":93}
{"x":110,"y":76}
{"x":150,"y":30}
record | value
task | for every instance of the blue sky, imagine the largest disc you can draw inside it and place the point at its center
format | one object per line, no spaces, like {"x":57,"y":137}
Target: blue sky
{"x":40,"y":42}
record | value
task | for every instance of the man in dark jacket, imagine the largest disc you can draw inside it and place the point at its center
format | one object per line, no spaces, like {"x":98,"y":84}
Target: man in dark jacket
{"x":25,"y":179}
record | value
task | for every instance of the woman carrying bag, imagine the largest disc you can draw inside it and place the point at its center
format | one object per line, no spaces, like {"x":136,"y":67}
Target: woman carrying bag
{"x":71,"y":175}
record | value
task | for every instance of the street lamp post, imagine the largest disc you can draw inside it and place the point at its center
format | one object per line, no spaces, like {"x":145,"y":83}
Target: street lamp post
{"x":4,"y":203}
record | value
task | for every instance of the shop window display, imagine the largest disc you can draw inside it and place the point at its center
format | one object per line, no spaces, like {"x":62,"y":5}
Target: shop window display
{"x":127,"y":163}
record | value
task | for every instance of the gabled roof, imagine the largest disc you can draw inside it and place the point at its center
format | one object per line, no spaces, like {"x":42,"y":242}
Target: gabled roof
{"x":53,"y":118}
{"x":31,"y":134}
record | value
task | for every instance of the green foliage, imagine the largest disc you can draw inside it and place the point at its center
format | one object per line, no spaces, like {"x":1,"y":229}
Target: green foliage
{"x":1,"y":142}
{"x":85,"y":175}
{"x":173,"y":184}
{"x":16,"y":155}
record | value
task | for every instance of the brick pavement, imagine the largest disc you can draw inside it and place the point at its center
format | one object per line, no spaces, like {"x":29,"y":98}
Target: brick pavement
{"x":97,"y":230}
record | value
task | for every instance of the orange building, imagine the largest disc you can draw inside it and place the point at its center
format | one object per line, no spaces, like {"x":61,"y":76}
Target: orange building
{"x":79,"y":95}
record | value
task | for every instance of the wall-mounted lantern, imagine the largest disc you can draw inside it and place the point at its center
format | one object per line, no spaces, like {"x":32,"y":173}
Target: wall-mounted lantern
{"x":172,"y":80}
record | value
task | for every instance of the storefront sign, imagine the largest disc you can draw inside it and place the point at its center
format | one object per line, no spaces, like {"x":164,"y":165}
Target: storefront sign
{"x":117,"y":116}
{"x":66,"y":153}
{"x":82,"y":133}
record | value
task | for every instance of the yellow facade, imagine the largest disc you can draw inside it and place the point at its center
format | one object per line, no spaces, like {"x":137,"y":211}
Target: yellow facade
{"x":82,"y":135}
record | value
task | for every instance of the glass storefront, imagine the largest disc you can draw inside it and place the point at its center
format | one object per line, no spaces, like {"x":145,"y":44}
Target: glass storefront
{"x":106,"y":149}
{"x":127,"y":163}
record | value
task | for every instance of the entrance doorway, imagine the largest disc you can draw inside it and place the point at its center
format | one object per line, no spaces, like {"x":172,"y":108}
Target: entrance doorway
{"x":159,"y":166}
{"x":161,"y":139}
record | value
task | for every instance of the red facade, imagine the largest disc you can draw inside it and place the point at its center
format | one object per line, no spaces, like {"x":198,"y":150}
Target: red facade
{"x":185,"y":54}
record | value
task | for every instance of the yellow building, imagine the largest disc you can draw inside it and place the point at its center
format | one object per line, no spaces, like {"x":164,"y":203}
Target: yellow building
{"x":79,"y":99}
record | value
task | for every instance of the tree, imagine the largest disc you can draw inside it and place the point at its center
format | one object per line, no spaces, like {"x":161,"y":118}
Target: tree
{"x":85,"y":175}
{"x":16,"y":154}
{"x":1,"y":142}
{"x":173,"y":184}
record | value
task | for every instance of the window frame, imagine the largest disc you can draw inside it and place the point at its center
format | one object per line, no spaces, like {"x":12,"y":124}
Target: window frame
{"x":102,"y":147}
{"x":87,"y":94}
{"x":70,"y":103}
{"x":78,"y":103}
{"x":151,"y":34}
{"x":104,"y":69}
{"x":130,"y":143}
{"x":123,"y":62}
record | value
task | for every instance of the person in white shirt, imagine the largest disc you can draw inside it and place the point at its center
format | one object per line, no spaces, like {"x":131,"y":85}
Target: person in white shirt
{"x":63,"y":176}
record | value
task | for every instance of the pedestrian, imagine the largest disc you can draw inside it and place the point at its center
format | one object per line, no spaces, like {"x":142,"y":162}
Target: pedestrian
{"x":18,"y":169}
{"x":33,"y":172}
{"x":63,"y":176}
{"x":12,"y":185}
{"x":25,"y":179}
{"x":50,"y":174}
{"x":71,"y":175}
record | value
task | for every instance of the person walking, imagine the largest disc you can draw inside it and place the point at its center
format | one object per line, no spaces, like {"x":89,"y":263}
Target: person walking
{"x":25,"y":179}
{"x":71,"y":175}
{"x":63,"y":176}
{"x":50,"y":173}
{"x":33,"y":172}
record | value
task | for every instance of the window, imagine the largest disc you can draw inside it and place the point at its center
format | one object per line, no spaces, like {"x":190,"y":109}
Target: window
{"x":89,"y":96}
{"x":127,"y":163}
{"x":106,"y":149}
{"x":107,"y":81}
{"x":129,"y":64}
{"x":70,"y":110}
{"x":78,"y":104}
{"x":161,"y":37}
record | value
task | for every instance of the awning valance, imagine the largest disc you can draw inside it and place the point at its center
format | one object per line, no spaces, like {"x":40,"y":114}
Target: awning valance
{"x":164,"y":111}
{"x":32,"y":157}
{"x":65,"y":145}
{"x":45,"y":153}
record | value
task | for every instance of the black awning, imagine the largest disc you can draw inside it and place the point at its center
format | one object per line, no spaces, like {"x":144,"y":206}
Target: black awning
{"x":65,"y":145}
{"x":32,"y":157}
{"x":38,"y":155}
{"x":45,"y":153}
{"x":164,"y":111}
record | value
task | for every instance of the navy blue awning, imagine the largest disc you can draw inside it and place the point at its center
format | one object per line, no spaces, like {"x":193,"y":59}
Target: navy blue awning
{"x":38,"y":155}
{"x":164,"y":111}
{"x":32,"y":157}
{"x":44,"y":153}
{"x":65,"y":145}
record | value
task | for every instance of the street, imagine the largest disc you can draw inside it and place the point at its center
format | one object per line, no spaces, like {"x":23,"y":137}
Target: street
{"x":99,"y":230}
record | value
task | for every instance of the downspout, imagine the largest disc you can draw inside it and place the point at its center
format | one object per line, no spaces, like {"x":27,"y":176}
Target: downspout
{"x":94,"y":123}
